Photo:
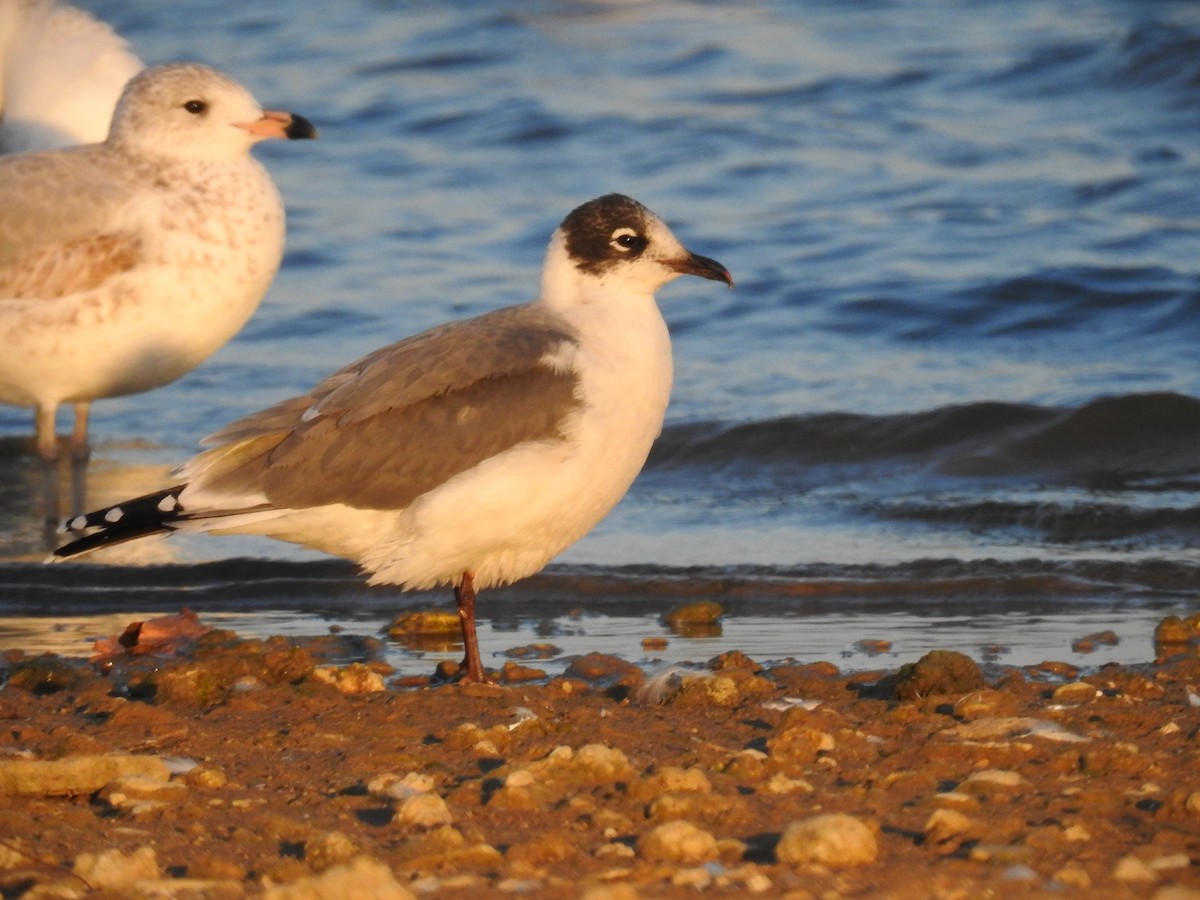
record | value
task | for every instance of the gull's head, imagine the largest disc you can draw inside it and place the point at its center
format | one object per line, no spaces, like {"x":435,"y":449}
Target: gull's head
{"x":189,"y":111}
{"x":615,"y":244}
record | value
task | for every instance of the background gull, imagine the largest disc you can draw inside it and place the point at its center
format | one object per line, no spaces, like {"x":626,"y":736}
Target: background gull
{"x":126,"y":263}
{"x":470,"y":454}
{"x":61,"y":72}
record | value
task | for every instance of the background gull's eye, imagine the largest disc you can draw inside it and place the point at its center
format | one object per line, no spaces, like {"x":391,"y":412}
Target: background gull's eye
{"x":195,"y":107}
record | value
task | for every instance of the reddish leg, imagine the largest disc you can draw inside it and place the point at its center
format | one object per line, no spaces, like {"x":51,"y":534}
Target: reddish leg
{"x":472,"y":665}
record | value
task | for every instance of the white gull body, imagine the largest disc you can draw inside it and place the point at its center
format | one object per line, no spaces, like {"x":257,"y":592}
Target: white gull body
{"x":61,"y":72}
{"x":469,"y":455}
{"x":126,"y":263}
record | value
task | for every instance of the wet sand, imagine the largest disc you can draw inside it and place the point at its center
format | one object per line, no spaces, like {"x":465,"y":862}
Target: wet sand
{"x":261,"y":769}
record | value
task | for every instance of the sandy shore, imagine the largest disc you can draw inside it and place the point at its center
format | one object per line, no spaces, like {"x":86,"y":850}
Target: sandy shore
{"x":251,"y":768}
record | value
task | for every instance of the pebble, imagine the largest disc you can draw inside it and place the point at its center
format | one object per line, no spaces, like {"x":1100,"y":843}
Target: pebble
{"x":604,"y":668}
{"x":938,"y":672}
{"x":137,"y":794}
{"x":423,"y":811}
{"x":352,"y":679}
{"x":425,"y":621}
{"x":697,"y":878}
{"x":783,"y":784}
{"x":112,"y":869}
{"x":1130,"y":868}
{"x":678,"y":841}
{"x":677,"y":778}
{"x":1073,"y":875}
{"x":329,"y":849}
{"x":397,"y":787}
{"x":835,"y":840}
{"x":363,"y":879}
{"x":1172,"y":630}
{"x":610,"y":892}
{"x":1012,"y":728}
{"x":993,"y":779}
{"x":1074,"y":692}
{"x":206,"y":778}
{"x":947,"y":828}
{"x":44,"y":675}
{"x":985,"y":703}
{"x":73,"y":775}
{"x":799,"y":745}
{"x":699,"y":612}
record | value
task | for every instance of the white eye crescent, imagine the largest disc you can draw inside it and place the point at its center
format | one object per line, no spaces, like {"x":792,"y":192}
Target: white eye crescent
{"x":626,"y":239}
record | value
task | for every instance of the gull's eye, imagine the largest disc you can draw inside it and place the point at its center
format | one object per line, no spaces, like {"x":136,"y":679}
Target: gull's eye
{"x":627,"y":240}
{"x":196,"y":107}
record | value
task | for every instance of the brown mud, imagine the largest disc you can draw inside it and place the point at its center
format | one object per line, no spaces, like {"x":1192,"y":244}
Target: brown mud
{"x":223,"y":767}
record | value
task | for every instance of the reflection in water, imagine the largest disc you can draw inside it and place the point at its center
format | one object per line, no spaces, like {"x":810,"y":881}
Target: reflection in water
{"x":851,"y":640}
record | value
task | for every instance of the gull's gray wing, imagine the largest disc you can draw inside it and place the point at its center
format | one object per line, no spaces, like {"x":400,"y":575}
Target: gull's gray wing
{"x":387,"y":429}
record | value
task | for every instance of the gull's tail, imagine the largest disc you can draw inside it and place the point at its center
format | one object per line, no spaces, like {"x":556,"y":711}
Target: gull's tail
{"x":157,"y":513}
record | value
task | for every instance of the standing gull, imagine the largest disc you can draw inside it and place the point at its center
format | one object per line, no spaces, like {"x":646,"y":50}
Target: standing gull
{"x":61,"y":72}
{"x":468,"y":455}
{"x":126,"y":263}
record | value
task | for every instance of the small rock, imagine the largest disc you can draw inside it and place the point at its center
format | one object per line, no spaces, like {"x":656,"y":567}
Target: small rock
{"x":601,"y":762}
{"x":985,"y":703}
{"x":1056,"y":668}
{"x":131,"y":792}
{"x":1172,"y":630}
{"x":1132,"y":869}
{"x":782,"y":784}
{"x":610,"y":892}
{"x":655,"y":643}
{"x":206,"y":778}
{"x":423,"y":811}
{"x":697,"y":878}
{"x":990,"y":780}
{"x":352,"y":679}
{"x":799,"y":745}
{"x":396,"y":787}
{"x":676,"y":778}
{"x":363,"y":879}
{"x":111,"y":869}
{"x":872,"y":647}
{"x":514,"y":673}
{"x":832,"y":839}
{"x":734,"y":659}
{"x":1073,"y":875}
{"x":329,"y":849}
{"x":699,"y":612}
{"x":425,"y":621}
{"x":938,"y":672}
{"x":604,"y":668}
{"x":540,"y":851}
{"x":1074,"y":692}
{"x":678,"y":842}
{"x":1003,"y":854}
{"x":73,"y":775}
{"x":44,"y":675}
{"x":1172,"y":861}
{"x":947,"y":829}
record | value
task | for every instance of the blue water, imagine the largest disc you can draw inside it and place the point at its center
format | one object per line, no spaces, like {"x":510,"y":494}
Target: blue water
{"x":964,"y":235}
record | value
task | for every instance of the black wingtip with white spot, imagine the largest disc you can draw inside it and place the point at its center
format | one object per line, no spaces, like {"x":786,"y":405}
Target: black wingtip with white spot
{"x":127,"y":521}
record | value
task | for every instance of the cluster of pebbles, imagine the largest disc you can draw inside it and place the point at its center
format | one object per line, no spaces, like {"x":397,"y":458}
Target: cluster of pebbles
{"x":237,"y":768}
